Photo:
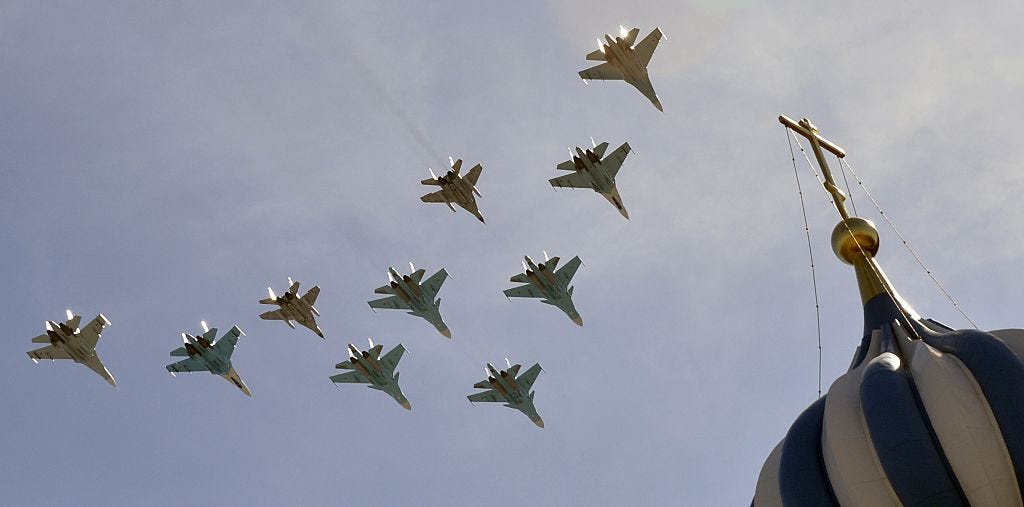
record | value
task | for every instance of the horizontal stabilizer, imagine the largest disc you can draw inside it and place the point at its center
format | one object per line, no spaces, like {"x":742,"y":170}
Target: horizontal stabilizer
{"x":41,"y":339}
{"x":520,"y":278}
{"x":430,"y":181}
{"x":384,"y":290}
{"x":267,"y":301}
{"x":180,"y":351}
{"x":598,"y":55}
{"x":483,"y":384}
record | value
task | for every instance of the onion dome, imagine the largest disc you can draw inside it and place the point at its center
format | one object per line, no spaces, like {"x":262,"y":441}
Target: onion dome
{"x":926,"y":415}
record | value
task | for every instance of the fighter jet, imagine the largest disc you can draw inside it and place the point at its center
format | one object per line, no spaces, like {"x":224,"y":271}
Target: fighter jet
{"x":206,"y":355}
{"x":67,"y":341}
{"x":370,"y":368}
{"x":456,"y":188}
{"x":550,"y":285}
{"x":506,"y":387}
{"x":591,"y":169}
{"x":293,"y":307}
{"x":410,"y":294}
{"x":625,"y":61}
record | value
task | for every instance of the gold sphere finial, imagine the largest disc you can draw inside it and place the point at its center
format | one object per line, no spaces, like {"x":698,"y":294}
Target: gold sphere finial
{"x":853,"y":236}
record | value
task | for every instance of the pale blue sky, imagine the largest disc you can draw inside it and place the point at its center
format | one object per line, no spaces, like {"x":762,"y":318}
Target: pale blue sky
{"x":164,"y":162}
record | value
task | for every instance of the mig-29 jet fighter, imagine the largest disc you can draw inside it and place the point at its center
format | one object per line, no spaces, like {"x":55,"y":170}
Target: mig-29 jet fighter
{"x":67,"y":341}
{"x":369,"y":367}
{"x":505,"y":387}
{"x":205,"y":354}
{"x":551,"y":286}
{"x":456,"y":188}
{"x":293,"y":307}
{"x":591,"y":169}
{"x":625,"y":61}
{"x":410,"y":294}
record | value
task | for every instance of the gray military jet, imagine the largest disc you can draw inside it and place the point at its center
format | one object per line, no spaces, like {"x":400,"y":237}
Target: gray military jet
{"x":456,"y":188}
{"x":410,"y":294}
{"x":369,"y":367}
{"x":505,"y":387}
{"x":293,"y":307}
{"x":205,"y":354}
{"x":67,"y":341}
{"x":591,"y":169}
{"x":550,"y":285}
{"x":625,"y":61}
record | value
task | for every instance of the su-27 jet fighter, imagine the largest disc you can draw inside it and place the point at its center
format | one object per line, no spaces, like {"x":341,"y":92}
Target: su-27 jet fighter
{"x":67,"y":341}
{"x":551,"y":286}
{"x":514,"y":392}
{"x":456,"y":188}
{"x":205,"y":354}
{"x":418,"y":298}
{"x":294,"y":308}
{"x":591,"y":169}
{"x":625,"y":61}
{"x":369,"y":367}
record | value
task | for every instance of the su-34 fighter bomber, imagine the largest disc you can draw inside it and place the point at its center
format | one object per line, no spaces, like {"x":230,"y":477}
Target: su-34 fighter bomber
{"x":625,"y":61}
{"x":369,"y":367}
{"x":410,"y":294}
{"x":205,"y":354}
{"x":67,"y":341}
{"x":456,"y":188}
{"x":294,"y":308}
{"x":550,"y":286}
{"x":591,"y":169}
{"x":505,"y":387}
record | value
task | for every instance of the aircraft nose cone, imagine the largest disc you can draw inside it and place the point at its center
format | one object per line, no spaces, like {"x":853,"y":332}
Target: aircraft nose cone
{"x":624,"y":213}
{"x":657,"y":104}
{"x":539,"y":422}
{"x":446,"y":332}
{"x":405,"y":404}
{"x":578,"y":320}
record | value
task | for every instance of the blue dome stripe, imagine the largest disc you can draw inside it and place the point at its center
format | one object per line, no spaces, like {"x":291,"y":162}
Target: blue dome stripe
{"x":803,"y":480}
{"x":1000,"y":374}
{"x":916,"y":469}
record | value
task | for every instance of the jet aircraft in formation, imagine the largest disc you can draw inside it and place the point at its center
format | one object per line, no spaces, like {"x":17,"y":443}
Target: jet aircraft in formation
{"x":67,"y":341}
{"x":369,"y":367}
{"x":410,"y":294}
{"x":551,"y":286}
{"x":514,"y":392}
{"x":294,"y":308}
{"x":625,"y":61}
{"x":591,"y":169}
{"x":456,"y":188}
{"x":206,"y":354}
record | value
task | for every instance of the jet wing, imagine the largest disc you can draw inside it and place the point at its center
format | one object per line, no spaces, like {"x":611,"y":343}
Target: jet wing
{"x":90,"y":334}
{"x":434,"y":197}
{"x":527,"y":379}
{"x":574,"y":180}
{"x":474,"y":174}
{"x":390,"y":303}
{"x":614,"y":161}
{"x":606,"y":71}
{"x":489,"y":395}
{"x":226,"y":344}
{"x":523,"y":291}
{"x":310,"y":297}
{"x":352,"y":377}
{"x":391,"y":359}
{"x":433,"y":284}
{"x":645,"y":50}
{"x":187,"y":366}
{"x":48,"y":352}
{"x":273,"y":315}
{"x":566,"y":272}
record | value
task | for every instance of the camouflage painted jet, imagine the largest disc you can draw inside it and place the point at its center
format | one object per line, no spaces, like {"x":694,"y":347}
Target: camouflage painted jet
{"x":67,"y":341}
{"x":293,"y":307}
{"x":550,"y":285}
{"x":507,"y":388}
{"x":456,"y":188}
{"x":206,"y":355}
{"x":370,"y":368}
{"x":591,"y":169}
{"x":410,"y":294}
{"x":625,"y":61}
